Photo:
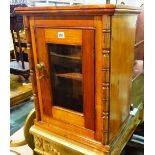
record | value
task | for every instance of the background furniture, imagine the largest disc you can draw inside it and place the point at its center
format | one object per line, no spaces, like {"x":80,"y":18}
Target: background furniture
{"x":19,"y":66}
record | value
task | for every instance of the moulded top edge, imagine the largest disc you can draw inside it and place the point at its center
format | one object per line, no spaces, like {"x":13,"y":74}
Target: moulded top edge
{"x":90,"y":9}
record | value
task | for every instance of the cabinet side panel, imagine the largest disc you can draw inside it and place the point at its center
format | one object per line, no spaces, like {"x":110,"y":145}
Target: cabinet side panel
{"x":122,"y":54}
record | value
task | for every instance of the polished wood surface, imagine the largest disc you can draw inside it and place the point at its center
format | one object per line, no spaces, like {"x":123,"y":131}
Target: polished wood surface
{"x":71,"y":21}
{"x":79,"y":9}
{"x":88,"y":77}
{"x":106,"y":34}
{"x":68,"y":116}
{"x":43,"y":75}
{"x":43,"y":136}
{"x":74,"y":76}
{"x":71,"y":37}
{"x":98,"y":78}
{"x":49,"y":112}
{"x":122,"y":58}
{"x":31,"y":66}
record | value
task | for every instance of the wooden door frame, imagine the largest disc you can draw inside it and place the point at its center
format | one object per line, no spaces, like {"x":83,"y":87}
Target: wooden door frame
{"x":89,"y":114}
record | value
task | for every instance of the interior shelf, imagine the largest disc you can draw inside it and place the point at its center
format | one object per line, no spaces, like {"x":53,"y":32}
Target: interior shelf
{"x":73,"y":76}
{"x":73,"y":57}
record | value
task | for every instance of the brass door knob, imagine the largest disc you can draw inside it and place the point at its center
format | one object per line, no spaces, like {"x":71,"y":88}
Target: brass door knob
{"x":40,"y":66}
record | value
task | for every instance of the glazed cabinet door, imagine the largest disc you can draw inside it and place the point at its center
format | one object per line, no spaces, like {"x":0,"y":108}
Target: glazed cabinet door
{"x":65,"y":76}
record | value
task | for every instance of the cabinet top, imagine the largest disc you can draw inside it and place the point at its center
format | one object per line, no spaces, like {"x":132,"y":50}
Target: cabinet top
{"x":78,"y":10}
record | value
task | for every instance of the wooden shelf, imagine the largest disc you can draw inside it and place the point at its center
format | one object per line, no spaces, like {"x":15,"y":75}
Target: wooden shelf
{"x":73,"y":57}
{"x":73,"y":76}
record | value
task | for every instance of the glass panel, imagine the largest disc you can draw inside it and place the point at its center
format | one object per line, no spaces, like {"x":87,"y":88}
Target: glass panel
{"x":66,"y":76}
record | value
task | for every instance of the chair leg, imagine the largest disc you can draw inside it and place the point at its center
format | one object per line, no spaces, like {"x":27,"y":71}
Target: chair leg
{"x":26,"y":77}
{"x":20,"y":48}
{"x":13,"y":38}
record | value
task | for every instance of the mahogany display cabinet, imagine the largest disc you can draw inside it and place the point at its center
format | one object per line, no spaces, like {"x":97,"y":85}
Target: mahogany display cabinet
{"x":81,"y":61}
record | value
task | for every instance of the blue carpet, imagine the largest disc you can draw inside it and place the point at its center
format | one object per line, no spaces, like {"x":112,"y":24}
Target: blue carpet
{"x":18,"y":115}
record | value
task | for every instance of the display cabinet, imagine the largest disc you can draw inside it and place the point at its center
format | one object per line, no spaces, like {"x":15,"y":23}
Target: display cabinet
{"x":81,"y":61}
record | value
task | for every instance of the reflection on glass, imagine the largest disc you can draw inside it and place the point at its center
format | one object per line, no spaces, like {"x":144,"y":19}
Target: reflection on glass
{"x":66,"y":76}
{"x":138,"y":67}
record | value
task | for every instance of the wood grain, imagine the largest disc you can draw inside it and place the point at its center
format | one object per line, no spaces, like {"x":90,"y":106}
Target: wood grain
{"x":71,"y":36}
{"x":106,"y":50}
{"x":122,"y":54}
{"x":88,"y":77}
{"x":106,"y":61}
{"x":78,"y":10}
{"x":98,"y":78}
{"x":106,"y":34}
{"x":68,"y":116}
{"x":71,"y":21}
{"x":105,"y":75}
{"x":88,"y":53}
{"x":31,"y":66}
{"x":45,"y":83}
{"x":73,"y":76}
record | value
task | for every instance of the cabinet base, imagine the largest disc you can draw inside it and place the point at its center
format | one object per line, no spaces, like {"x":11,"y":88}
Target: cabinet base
{"x":47,"y":143}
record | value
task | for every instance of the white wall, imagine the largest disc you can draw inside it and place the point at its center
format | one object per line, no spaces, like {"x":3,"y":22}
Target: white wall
{"x":95,"y":1}
{"x":131,"y":2}
{"x":127,"y":2}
